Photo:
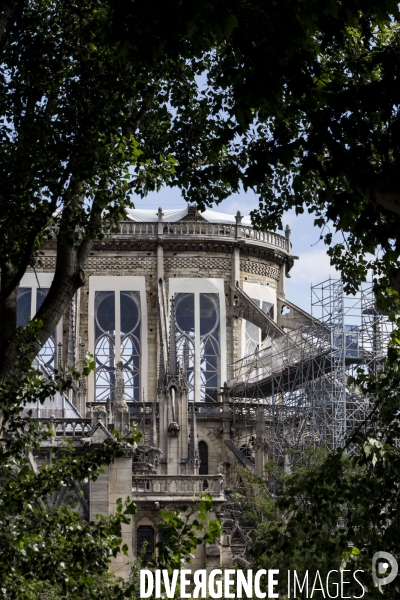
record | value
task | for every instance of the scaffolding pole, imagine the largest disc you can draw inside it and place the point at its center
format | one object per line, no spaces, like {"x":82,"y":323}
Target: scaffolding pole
{"x":299,"y":381}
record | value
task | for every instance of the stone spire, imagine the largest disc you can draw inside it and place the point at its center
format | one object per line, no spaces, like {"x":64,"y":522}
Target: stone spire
{"x":161,"y":371}
{"x":121,"y":410}
{"x":185,"y":362}
{"x":160,"y":215}
{"x":119,"y":393}
{"x":153,"y":427}
{"x":173,"y":361}
{"x":154,"y":451}
{"x":194,"y":457}
{"x":71,"y":337}
{"x":82,"y":379}
{"x":185,"y":359}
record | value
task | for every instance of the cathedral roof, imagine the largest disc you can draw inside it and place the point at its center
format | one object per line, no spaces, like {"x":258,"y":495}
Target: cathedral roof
{"x":171,"y":216}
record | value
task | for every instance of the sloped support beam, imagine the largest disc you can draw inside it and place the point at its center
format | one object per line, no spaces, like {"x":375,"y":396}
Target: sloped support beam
{"x":163,"y":321}
{"x":245,"y":308}
{"x":239,"y":455}
{"x":291,"y":316}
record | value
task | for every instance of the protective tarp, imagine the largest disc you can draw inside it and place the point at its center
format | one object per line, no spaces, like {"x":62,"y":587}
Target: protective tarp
{"x":151,"y":216}
{"x":171,"y":216}
{"x":212,"y":216}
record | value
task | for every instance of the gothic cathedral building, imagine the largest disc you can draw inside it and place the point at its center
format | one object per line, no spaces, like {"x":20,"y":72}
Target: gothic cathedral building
{"x":171,"y":303}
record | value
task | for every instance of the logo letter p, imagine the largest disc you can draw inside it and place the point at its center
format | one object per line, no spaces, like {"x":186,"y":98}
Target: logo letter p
{"x":382,"y":568}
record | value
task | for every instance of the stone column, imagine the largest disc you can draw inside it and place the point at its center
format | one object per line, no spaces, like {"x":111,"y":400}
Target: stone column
{"x":99,"y":492}
{"x":82,"y":392}
{"x":121,"y":410}
{"x":160,"y":249}
{"x":236,"y":251}
{"x":120,"y":486}
{"x":173,"y":458}
{"x":183,"y":422}
{"x":282,"y":273}
{"x":226,"y":424}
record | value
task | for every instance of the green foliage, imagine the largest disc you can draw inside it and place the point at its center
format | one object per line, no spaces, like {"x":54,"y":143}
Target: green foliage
{"x":313,"y":94}
{"x":102,"y":99}
{"x":181,"y":531}
{"x":40,"y":541}
{"x":49,"y":550}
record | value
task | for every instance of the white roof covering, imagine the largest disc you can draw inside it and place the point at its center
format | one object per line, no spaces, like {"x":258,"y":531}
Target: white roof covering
{"x":170,"y":216}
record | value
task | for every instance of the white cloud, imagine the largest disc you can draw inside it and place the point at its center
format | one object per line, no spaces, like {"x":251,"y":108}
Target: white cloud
{"x":312,"y":267}
{"x":245,"y":202}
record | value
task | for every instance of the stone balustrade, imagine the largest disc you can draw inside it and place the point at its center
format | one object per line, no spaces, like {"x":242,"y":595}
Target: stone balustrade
{"x":203,"y":230}
{"x":208,"y":408}
{"x":138,"y":409}
{"x":177,"y":485}
{"x":67,"y":427}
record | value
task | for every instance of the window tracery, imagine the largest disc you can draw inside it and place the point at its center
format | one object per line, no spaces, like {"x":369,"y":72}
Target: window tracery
{"x":185,"y":337}
{"x":28,"y":303}
{"x":117,"y":340}
{"x":209,"y":347}
{"x":198,"y":343}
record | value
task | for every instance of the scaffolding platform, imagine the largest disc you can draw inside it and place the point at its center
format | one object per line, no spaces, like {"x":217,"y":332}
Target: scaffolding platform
{"x":300,"y":379}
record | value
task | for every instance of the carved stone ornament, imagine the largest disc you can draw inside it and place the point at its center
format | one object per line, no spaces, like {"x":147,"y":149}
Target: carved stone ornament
{"x":173,"y":429}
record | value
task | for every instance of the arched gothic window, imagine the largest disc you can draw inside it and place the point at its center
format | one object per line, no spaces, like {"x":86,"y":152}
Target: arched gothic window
{"x":47,"y":354}
{"x":203,"y":453}
{"x":28,"y":303}
{"x":198,"y":343}
{"x":145,"y":535}
{"x":209,"y":347}
{"x":24,"y":306}
{"x":117,"y":338}
{"x":185,"y":336}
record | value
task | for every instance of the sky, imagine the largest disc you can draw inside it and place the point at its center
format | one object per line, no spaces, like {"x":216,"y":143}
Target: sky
{"x":312,"y":267}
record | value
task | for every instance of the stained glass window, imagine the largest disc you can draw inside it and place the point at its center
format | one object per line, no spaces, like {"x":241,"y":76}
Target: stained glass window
{"x":203,"y":453}
{"x":114,"y":343}
{"x":209,"y":347}
{"x":24,"y":306}
{"x":47,"y":354}
{"x":185,"y":336}
{"x":145,"y":535}
{"x":130,"y":343}
{"x":198,"y":343}
{"x":104,"y":350}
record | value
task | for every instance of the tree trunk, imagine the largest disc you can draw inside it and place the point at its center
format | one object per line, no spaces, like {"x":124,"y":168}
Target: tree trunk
{"x":68,"y":278}
{"x":8,"y":317}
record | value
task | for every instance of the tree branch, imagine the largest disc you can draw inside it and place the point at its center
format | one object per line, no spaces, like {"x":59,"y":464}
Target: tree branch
{"x":133,"y":126}
{"x":69,"y":274}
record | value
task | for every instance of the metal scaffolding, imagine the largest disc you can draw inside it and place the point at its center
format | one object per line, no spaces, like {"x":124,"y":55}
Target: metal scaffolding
{"x":298,"y":382}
